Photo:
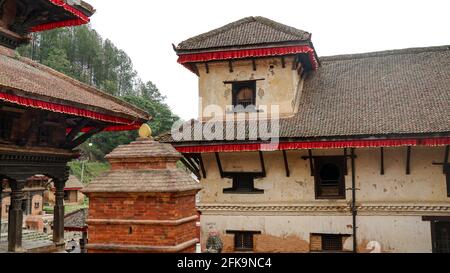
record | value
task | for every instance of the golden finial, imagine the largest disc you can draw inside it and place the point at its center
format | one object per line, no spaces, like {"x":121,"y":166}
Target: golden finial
{"x":145,"y":131}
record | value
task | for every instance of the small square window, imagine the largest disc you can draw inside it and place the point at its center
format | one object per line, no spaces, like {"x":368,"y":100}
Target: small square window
{"x":37,"y":205}
{"x":243,"y":240}
{"x":332,"y":242}
{"x":244,"y":94}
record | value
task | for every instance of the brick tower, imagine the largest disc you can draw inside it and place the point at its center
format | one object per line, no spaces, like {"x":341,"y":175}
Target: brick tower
{"x":144,"y":203}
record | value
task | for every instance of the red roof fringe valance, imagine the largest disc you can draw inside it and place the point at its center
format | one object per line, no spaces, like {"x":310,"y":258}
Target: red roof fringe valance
{"x":127,"y":124}
{"x":81,"y":18}
{"x":314,"y":145}
{"x":247,"y":53}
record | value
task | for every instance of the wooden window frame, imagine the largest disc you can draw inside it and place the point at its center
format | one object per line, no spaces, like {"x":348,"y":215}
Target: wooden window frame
{"x":7,"y":124}
{"x":434,"y":222}
{"x":340,"y":162}
{"x":239,"y":85}
{"x":244,"y":233}
{"x":239,"y":176}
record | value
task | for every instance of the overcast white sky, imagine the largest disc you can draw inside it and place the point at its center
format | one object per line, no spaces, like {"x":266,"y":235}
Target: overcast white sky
{"x":146,"y":29}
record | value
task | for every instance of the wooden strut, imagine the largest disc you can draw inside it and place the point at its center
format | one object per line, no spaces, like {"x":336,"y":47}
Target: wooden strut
{"x":382,"y":160}
{"x":283,"y":63}
{"x":408,"y":160}
{"x":286,"y":164}
{"x":219,"y":164}
{"x":263,"y":167}
{"x":254,"y":64}
{"x":207,"y":68}
{"x":190,"y":167}
{"x":84,"y":137}
{"x":446,"y":152}
{"x":311,"y":166}
{"x":230,"y":66}
{"x":202,"y":166}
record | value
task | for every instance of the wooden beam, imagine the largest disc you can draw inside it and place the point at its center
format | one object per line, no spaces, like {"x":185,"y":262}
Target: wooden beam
{"x":230,"y":65}
{"x":263,"y":167}
{"x":382,"y":160}
{"x":84,"y":137}
{"x":286,"y":164}
{"x":219,"y":164}
{"x":408,"y":160}
{"x":207,"y":67}
{"x":283,"y":63}
{"x":311,"y":167}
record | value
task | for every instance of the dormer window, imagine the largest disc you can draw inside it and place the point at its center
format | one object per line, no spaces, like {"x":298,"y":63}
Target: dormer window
{"x":244,"y":94}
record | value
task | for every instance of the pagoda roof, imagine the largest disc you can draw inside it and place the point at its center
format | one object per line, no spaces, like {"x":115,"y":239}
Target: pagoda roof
{"x":30,"y":84}
{"x":247,"y":32}
{"x":378,"y":95}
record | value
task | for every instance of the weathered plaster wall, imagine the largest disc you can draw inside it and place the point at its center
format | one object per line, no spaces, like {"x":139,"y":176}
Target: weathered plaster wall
{"x":292,"y":233}
{"x":425,"y":184}
{"x":277,"y":88}
{"x":390,"y":206}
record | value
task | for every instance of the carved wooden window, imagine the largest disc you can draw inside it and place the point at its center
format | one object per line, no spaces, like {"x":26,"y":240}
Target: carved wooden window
{"x":44,"y":135}
{"x":242,"y":183}
{"x":329,"y":176}
{"x":441,"y":237}
{"x":6,"y":125}
{"x":243,"y":240}
{"x":244,"y":93}
{"x":331,"y":242}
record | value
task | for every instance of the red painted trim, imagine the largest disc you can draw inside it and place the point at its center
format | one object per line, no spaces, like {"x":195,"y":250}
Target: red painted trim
{"x":314,"y":145}
{"x":80,"y":20}
{"x":114,"y":128}
{"x":63,"y":109}
{"x":247,"y":53}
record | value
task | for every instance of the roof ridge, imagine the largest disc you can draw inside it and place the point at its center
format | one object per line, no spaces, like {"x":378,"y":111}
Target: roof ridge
{"x":400,"y":51}
{"x":78,"y":83}
{"x":218,"y":30}
{"x":259,"y":19}
{"x":280,"y":26}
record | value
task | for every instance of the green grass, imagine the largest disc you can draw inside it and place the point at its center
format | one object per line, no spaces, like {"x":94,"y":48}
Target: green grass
{"x":69,"y":208}
{"x":91,"y":169}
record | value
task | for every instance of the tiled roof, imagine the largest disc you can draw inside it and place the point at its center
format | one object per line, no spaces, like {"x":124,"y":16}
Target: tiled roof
{"x":248,"y":31}
{"x":41,"y":82}
{"x":73,"y":183}
{"x":396,"y":92}
{"x":142,"y":181}
{"x":76,"y":219}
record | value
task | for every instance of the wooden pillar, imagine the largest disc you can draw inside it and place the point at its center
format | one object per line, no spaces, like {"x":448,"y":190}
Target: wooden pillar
{"x":58,"y":213}
{"x":15,"y":217}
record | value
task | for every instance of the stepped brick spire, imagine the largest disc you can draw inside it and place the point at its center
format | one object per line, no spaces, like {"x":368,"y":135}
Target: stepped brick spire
{"x":144,"y":203}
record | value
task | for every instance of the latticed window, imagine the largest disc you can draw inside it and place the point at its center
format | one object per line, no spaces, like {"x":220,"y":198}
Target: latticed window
{"x":442,"y":237}
{"x":243,"y":241}
{"x":331,"y":242}
{"x":244,"y":93}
